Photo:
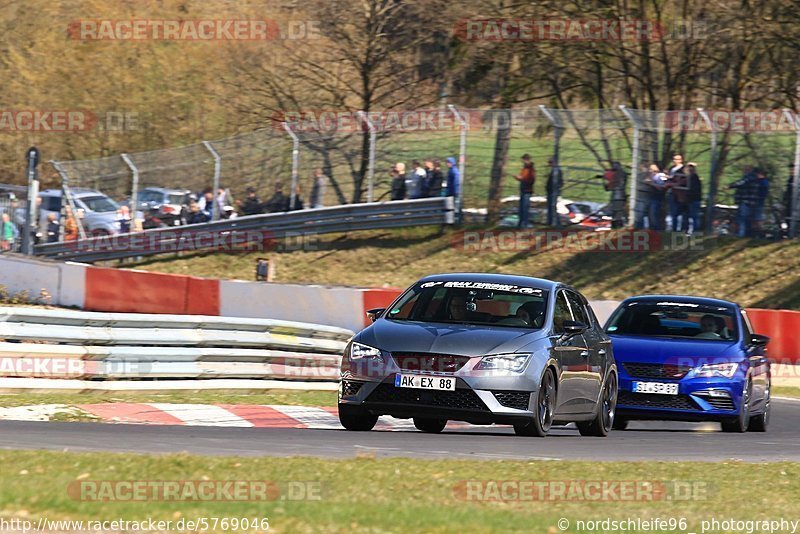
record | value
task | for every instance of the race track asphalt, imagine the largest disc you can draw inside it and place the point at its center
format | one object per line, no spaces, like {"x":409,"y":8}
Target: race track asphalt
{"x":646,"y":441}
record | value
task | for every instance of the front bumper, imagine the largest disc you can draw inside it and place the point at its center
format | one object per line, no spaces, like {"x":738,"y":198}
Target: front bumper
{"x":698,"y":399}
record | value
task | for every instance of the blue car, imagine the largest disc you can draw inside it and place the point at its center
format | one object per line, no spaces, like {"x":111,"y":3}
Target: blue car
{"x":689,"y":359}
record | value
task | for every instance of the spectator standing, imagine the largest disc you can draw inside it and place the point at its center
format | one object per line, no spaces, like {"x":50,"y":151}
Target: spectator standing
{"x":316,"y":199}
{"x":206,"y":202}
{"x":426,"y":182}
{"x":252,"y":204}
{"x":417,"y":181}
{"x":675,"y":174}
{"x":400,"y":167}
{"x":526,"y":179}
{"x":221,"y":199}
{"x":9,"y":233}
{"x":398,"y":185}
{"x":762,"y":193}
{"x":70,"y":225}
{"x":278,"y":202}
{"x":643,"y":191}
{"x":453,"y":178}
{"x":746,"y":197}
{"x":53,"y":228}
{"x":658,"y":187}
{"x":694,"y":195}
{"x":616,"y":183}
{"x":124,"y":220}
{"x":196,"y":215}
{"x":436,"y":181}
{"x":555,"y":180}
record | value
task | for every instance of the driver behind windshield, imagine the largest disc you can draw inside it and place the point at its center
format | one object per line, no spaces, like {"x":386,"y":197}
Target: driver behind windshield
{"x":708,"y":327}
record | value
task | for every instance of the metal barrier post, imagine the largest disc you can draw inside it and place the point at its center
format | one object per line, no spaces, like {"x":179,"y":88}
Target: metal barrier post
{"x":558,"y":129}
{"x":134,"y":190}
{"x":295,"y":163}
{"x":711,"y":198}
{"x":795,"y":200}
{"x":215,"y":214}
{"x":634,"y":164}
{"x":462,"y":158}
{"x":70,"y":200}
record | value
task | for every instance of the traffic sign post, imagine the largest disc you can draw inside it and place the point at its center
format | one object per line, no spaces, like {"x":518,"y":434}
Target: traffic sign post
{"x":31,"y":216}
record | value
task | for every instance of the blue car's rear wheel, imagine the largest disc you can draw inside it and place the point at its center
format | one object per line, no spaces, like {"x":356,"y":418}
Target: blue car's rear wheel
{"x":545,"y":408}
{"x":355,"y":417}
{"x":740,"y":423}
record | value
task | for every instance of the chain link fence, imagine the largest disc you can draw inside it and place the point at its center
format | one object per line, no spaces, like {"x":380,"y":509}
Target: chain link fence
{"x":356,"y":152}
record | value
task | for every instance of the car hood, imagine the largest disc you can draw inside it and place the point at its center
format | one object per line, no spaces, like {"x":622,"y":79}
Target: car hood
{"x":464,"y":340}
{"x":664,"y":350}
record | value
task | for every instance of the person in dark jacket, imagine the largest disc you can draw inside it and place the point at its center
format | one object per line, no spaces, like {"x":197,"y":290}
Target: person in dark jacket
{"x":749,"y":198}
{"x":526,"y":179}
{"x":453,"y":178}
{"x":436,"y":180}
{"x":788,"y":194}
{"x":398,"y":185}
{"x":53,"y":228}
{"x":694,"y":196}
{"x":252,"y":204}
{"x":278,"y":202}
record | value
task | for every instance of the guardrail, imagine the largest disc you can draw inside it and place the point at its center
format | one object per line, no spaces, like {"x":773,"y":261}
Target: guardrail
{"x":368,"y":216}
{"x":42,"y":343}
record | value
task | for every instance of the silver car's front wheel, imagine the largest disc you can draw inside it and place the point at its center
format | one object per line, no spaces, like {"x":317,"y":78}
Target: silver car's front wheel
{"x":545,"y":408}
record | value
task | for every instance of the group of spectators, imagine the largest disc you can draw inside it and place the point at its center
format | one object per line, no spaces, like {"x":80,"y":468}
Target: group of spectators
{"x":280,"y":202}
{"x":676,"y":191}
{"x":426,"y":180}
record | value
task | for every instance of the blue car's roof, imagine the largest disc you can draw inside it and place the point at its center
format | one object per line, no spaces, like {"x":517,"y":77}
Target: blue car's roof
{"x":705,"y":301}
{"x":493,"y":279}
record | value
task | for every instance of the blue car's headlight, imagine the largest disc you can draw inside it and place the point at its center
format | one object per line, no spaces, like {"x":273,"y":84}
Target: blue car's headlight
{"x":710,"y":370}
{"x":364,"y":352}
{"x":503,"y":362}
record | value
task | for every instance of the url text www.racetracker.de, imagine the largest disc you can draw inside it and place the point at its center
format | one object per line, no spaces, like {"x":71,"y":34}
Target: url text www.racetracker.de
{"x":113,"y":526}
{"x":681,"y":525}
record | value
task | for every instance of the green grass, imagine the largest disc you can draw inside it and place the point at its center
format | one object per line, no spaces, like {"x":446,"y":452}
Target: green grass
{"x":784,"y":391}
{"x":755,"y":273}
{"x":296,"y":398}
{"x":391,"y":495}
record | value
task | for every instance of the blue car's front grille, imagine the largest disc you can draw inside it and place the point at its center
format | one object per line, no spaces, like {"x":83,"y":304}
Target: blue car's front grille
{"x":656,"y":370}
{"x":655,"y":400}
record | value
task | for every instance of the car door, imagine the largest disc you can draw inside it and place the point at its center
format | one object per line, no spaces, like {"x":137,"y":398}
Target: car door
{"x":572,"y":356}
{"x":592,"y":379}
{"x":759,"y":365}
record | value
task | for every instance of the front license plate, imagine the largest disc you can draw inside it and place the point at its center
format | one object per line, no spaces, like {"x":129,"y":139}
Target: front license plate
{"x":425,"y":382}
{"x":659,"y":388}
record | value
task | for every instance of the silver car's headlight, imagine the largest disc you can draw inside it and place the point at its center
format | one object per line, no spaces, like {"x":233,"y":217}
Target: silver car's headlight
{"x":503,"y":362}
{"x":364,"y":352}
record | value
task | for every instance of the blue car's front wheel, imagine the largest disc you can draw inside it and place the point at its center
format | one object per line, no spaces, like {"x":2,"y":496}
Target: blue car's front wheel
{"x":742,"y":421}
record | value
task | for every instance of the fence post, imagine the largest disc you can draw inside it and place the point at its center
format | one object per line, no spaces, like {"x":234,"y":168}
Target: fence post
{"x":711,"y":198}
{"x":462,"y":158}
{"x":795,"y":200}
{"x":70,"y":200}
{"x":634,"y":165}
{"x":134,"y":190}
{"x":295,"y":162}
{"x":373,"y":138}
{"x":215,"y":214}
{"x":558,"y":129}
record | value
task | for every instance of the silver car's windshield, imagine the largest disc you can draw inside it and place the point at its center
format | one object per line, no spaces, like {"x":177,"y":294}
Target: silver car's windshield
{"x":675,"y":320}
{"x":472,"y":303}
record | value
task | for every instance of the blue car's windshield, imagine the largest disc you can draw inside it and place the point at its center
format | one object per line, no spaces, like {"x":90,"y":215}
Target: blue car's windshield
{"x":674,"y":319}
{"x":475,"y":303}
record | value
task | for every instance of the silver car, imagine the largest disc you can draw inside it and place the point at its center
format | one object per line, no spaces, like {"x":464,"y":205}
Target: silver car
{"x":99,"y":213}
{"x":482,"y":348}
